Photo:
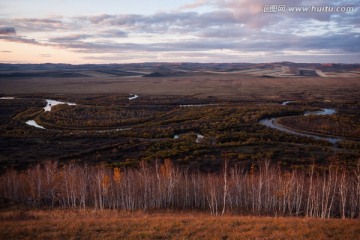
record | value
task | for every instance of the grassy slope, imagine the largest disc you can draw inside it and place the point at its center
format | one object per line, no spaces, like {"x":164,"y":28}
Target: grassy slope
{"x":68,"y":224}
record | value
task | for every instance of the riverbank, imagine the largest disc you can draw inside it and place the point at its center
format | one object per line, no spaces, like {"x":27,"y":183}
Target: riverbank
{"x":89,"y":224}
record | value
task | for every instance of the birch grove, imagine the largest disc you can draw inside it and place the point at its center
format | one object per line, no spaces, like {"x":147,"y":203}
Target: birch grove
{"x":263,"y":189}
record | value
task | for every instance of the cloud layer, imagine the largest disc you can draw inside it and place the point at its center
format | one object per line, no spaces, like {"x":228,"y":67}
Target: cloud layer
{"x":231,"y":28}
{"x":7,"y":30}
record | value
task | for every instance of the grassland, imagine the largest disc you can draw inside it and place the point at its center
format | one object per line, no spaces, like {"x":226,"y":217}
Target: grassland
{"x":66,"y":224}
{"x":233,"y":86}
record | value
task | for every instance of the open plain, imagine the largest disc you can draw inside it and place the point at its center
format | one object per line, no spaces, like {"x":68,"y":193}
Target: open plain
{"x":224,"y":86}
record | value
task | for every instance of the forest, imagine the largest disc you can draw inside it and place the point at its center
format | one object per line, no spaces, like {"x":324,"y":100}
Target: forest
{"x":262,"y":190}
{"x":113,"y":130}
{"x":179,"y":153}
{"x":336,"y":125}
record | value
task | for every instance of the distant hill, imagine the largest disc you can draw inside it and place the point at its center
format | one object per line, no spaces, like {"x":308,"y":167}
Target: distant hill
{"x":171,"y":69}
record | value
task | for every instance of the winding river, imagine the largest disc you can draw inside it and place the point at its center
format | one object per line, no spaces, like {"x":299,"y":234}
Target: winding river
{"x":272,"y":123}
{"x":133,"y":96}
{"x":34,"y":124}
{"x":49,"y":104}
{"x":268,"y":122}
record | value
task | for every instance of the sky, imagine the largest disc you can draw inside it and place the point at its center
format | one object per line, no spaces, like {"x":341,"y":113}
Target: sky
{"x":131,"y":31}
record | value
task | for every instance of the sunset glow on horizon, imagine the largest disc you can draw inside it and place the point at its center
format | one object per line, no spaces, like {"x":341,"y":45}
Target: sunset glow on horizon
{"x":64,"y":31}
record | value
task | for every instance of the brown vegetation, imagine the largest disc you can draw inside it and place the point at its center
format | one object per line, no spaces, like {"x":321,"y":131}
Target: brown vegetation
{"x":336,"y":125}
{"x":110,"y":224}
{"x":230,"y":86}
{"x":261,"y":190}
{"x":88,"y":132}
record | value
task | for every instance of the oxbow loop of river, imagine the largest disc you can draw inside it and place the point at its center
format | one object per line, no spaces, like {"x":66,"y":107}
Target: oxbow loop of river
{"x":133,"y":96}
{"x":49,"y":104}
{"x":7,"y":98}
{"x":34,"y":124}
{"x":271,"y":123}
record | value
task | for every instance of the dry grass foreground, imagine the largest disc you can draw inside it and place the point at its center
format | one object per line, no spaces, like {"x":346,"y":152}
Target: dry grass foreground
{"x":67,"y":224}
